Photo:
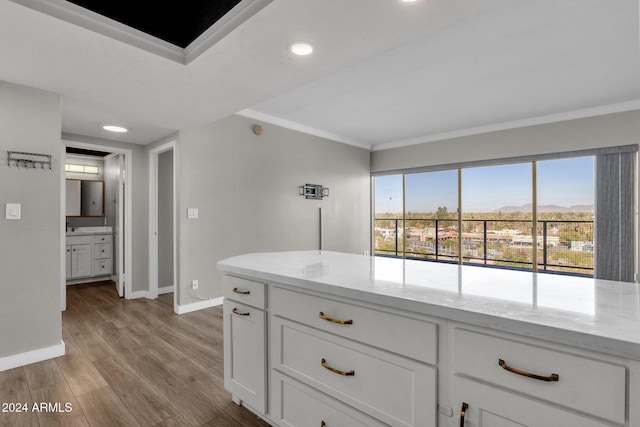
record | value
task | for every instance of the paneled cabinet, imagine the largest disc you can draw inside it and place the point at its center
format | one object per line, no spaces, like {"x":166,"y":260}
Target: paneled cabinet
{"x":88,"y":256}
{"x":78,"y":257}
{"x":298,"y":357}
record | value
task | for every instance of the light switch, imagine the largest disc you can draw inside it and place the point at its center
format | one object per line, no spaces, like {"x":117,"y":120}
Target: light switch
{"x":192,"y":213}
{"x":12,"y":211}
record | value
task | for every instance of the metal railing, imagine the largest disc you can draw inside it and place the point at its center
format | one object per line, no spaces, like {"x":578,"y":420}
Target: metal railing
{"x":561,"y":245}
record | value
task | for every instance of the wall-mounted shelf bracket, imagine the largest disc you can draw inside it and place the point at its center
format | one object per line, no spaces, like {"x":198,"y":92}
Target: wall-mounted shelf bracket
{"x":314,"y":191}
{"x":29,"y":160}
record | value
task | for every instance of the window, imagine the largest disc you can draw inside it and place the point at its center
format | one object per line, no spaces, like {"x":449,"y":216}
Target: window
{"x":535,"y":214}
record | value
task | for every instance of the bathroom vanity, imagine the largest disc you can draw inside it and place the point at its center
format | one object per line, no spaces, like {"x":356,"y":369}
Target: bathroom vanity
{"x":89,"y":254}
{"x":318,"y":338}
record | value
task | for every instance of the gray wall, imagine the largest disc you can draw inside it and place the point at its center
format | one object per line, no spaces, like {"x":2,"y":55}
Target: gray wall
{"x":140,"y":207}
{"x":165,"y":219}
{"x":593,"y":132}
{"x":246,"y":189}
{"x":30,"y":255}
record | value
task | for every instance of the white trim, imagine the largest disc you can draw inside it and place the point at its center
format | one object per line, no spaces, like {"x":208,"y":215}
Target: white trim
{"x":95,"y":22}
{"x":63,"y":230}
{"x":154,"y":290}
{"x":139,"y":294}
{"x":236,"y":16}
{"x":532,"y":121}
{"x":200,"y":305}
{"x":128,"y":220}
{"x":267,"y":118}
{"x":33,"y":356}
{"x":165,"y":290}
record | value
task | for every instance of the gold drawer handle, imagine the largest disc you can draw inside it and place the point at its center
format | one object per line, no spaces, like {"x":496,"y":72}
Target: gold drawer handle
{"x":239,"y":313}
{"x":235,"y":290}
{"x":503,"y":365}
{"x":340,"y":322}
{"x":463,"y":412}
{"x":324,"y":364}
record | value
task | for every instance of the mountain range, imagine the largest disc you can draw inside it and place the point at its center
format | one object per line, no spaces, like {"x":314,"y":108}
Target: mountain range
{"x":546,"y":208}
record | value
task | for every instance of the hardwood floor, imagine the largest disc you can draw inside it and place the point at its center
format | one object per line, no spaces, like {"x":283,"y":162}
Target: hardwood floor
{"x":127,"y":363}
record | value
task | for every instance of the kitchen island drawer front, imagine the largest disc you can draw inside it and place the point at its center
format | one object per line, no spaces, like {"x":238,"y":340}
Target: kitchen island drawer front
{"x":491,"y":406}
{"x":300,"y":406}
{"x":592,"y":386}
{"x":245,"y":291}
{"x":403,"y":335}
{"x":393,"y":389}
{"x":245,"y":353}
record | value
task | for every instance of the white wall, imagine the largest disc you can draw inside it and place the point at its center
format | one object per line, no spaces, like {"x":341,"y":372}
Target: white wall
{"x":30,"y":253}
{"x":246,"y":189}
{"x":593,"y":132}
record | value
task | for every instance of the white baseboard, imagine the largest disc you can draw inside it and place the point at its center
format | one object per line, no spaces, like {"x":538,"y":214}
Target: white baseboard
{"x":200,"y":305}
{"x":137,"y":294}
{"x":165,"y":290}
{"x":33,"y":356}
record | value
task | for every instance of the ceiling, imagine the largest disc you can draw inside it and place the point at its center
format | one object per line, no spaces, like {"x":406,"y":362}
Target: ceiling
{"x":383,"y":74}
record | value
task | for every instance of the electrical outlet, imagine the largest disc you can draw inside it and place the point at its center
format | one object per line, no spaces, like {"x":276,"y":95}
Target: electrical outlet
{"x":194,"y":284}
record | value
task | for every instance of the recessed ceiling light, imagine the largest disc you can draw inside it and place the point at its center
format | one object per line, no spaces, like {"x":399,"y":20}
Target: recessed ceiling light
{"x":112,"y":128}
{"x":301,"y":48}
{"x":408,"y":1}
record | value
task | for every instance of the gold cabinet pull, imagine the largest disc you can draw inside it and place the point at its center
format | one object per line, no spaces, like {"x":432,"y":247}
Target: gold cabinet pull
{"x":463,"y":412}
{"x":237,"y":291}
{"x":503,"y":365}
{"x":239,"y":313}
{"x":340,"y":322}
{"x":324,"y":364}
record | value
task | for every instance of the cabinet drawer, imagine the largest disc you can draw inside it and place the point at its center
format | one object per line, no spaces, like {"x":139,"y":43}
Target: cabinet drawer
{"x":490,"y":406}
{"x":101,"y":267}
{"x":591,"y":386}
{"x":393,"y":389}
{"x":78,"y":240}
{"x":403,"y":335}
{"x":102,"y":250}
{"x":244,"y":291}
{"x":300,"y":406}
{"x":102,"y":238}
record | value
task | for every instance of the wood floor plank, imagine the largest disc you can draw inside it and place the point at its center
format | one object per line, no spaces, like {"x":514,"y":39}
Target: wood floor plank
{"x":14,"y":390}
{"x":102,"y":407}
{"x":127,"y":363}
{"x":78,"y":370}
{"x":44,"y":374}
{"x":146,"y":405}
{"x":67,"y":412}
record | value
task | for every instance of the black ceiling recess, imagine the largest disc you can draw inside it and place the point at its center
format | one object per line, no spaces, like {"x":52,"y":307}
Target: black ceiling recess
{"x":85,"y":152}
{"x":177,"y":22}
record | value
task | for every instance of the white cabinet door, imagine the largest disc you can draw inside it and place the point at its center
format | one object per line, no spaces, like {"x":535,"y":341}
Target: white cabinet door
{"x":81,"y":260}
{"x":68,"y":262}
{"x":245,"y":348}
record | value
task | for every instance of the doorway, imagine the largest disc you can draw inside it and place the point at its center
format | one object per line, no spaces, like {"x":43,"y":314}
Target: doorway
{"x":117,"y":212}
{"x":162,"y":221}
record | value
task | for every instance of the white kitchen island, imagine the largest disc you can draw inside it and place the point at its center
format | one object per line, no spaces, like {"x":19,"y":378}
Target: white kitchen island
{"x":323,"y":338}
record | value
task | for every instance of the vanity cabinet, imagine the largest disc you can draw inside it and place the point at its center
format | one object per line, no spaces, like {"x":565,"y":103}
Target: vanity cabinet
{"x":88,"y":256}
{"x":78,"y":257}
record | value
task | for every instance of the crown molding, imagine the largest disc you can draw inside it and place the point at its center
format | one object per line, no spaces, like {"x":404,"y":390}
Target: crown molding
{"x":301,"y":128}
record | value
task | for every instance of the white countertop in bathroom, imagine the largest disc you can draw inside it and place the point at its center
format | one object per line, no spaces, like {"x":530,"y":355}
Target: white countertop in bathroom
{"x":598,"y":315}
{"x":83,"y":231}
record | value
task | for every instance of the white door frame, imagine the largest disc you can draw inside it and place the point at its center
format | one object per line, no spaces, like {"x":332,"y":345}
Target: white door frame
{"x":153,"y":219}
{"x":128,"y":218}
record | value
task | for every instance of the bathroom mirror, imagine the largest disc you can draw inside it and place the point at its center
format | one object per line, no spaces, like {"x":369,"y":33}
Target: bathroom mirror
{"x":85,"y":198}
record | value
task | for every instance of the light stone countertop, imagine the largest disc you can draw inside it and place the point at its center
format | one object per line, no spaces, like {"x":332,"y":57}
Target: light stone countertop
{"x":599,"y":315}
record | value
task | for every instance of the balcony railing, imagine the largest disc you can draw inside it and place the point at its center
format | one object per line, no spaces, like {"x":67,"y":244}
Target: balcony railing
{"x":562,"y":245}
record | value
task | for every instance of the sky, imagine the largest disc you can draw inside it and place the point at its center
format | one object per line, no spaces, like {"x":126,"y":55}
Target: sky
{"x":563,"y":182}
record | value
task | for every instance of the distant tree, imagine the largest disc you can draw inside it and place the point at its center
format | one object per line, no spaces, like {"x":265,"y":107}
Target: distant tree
{"x":442,"y":213}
